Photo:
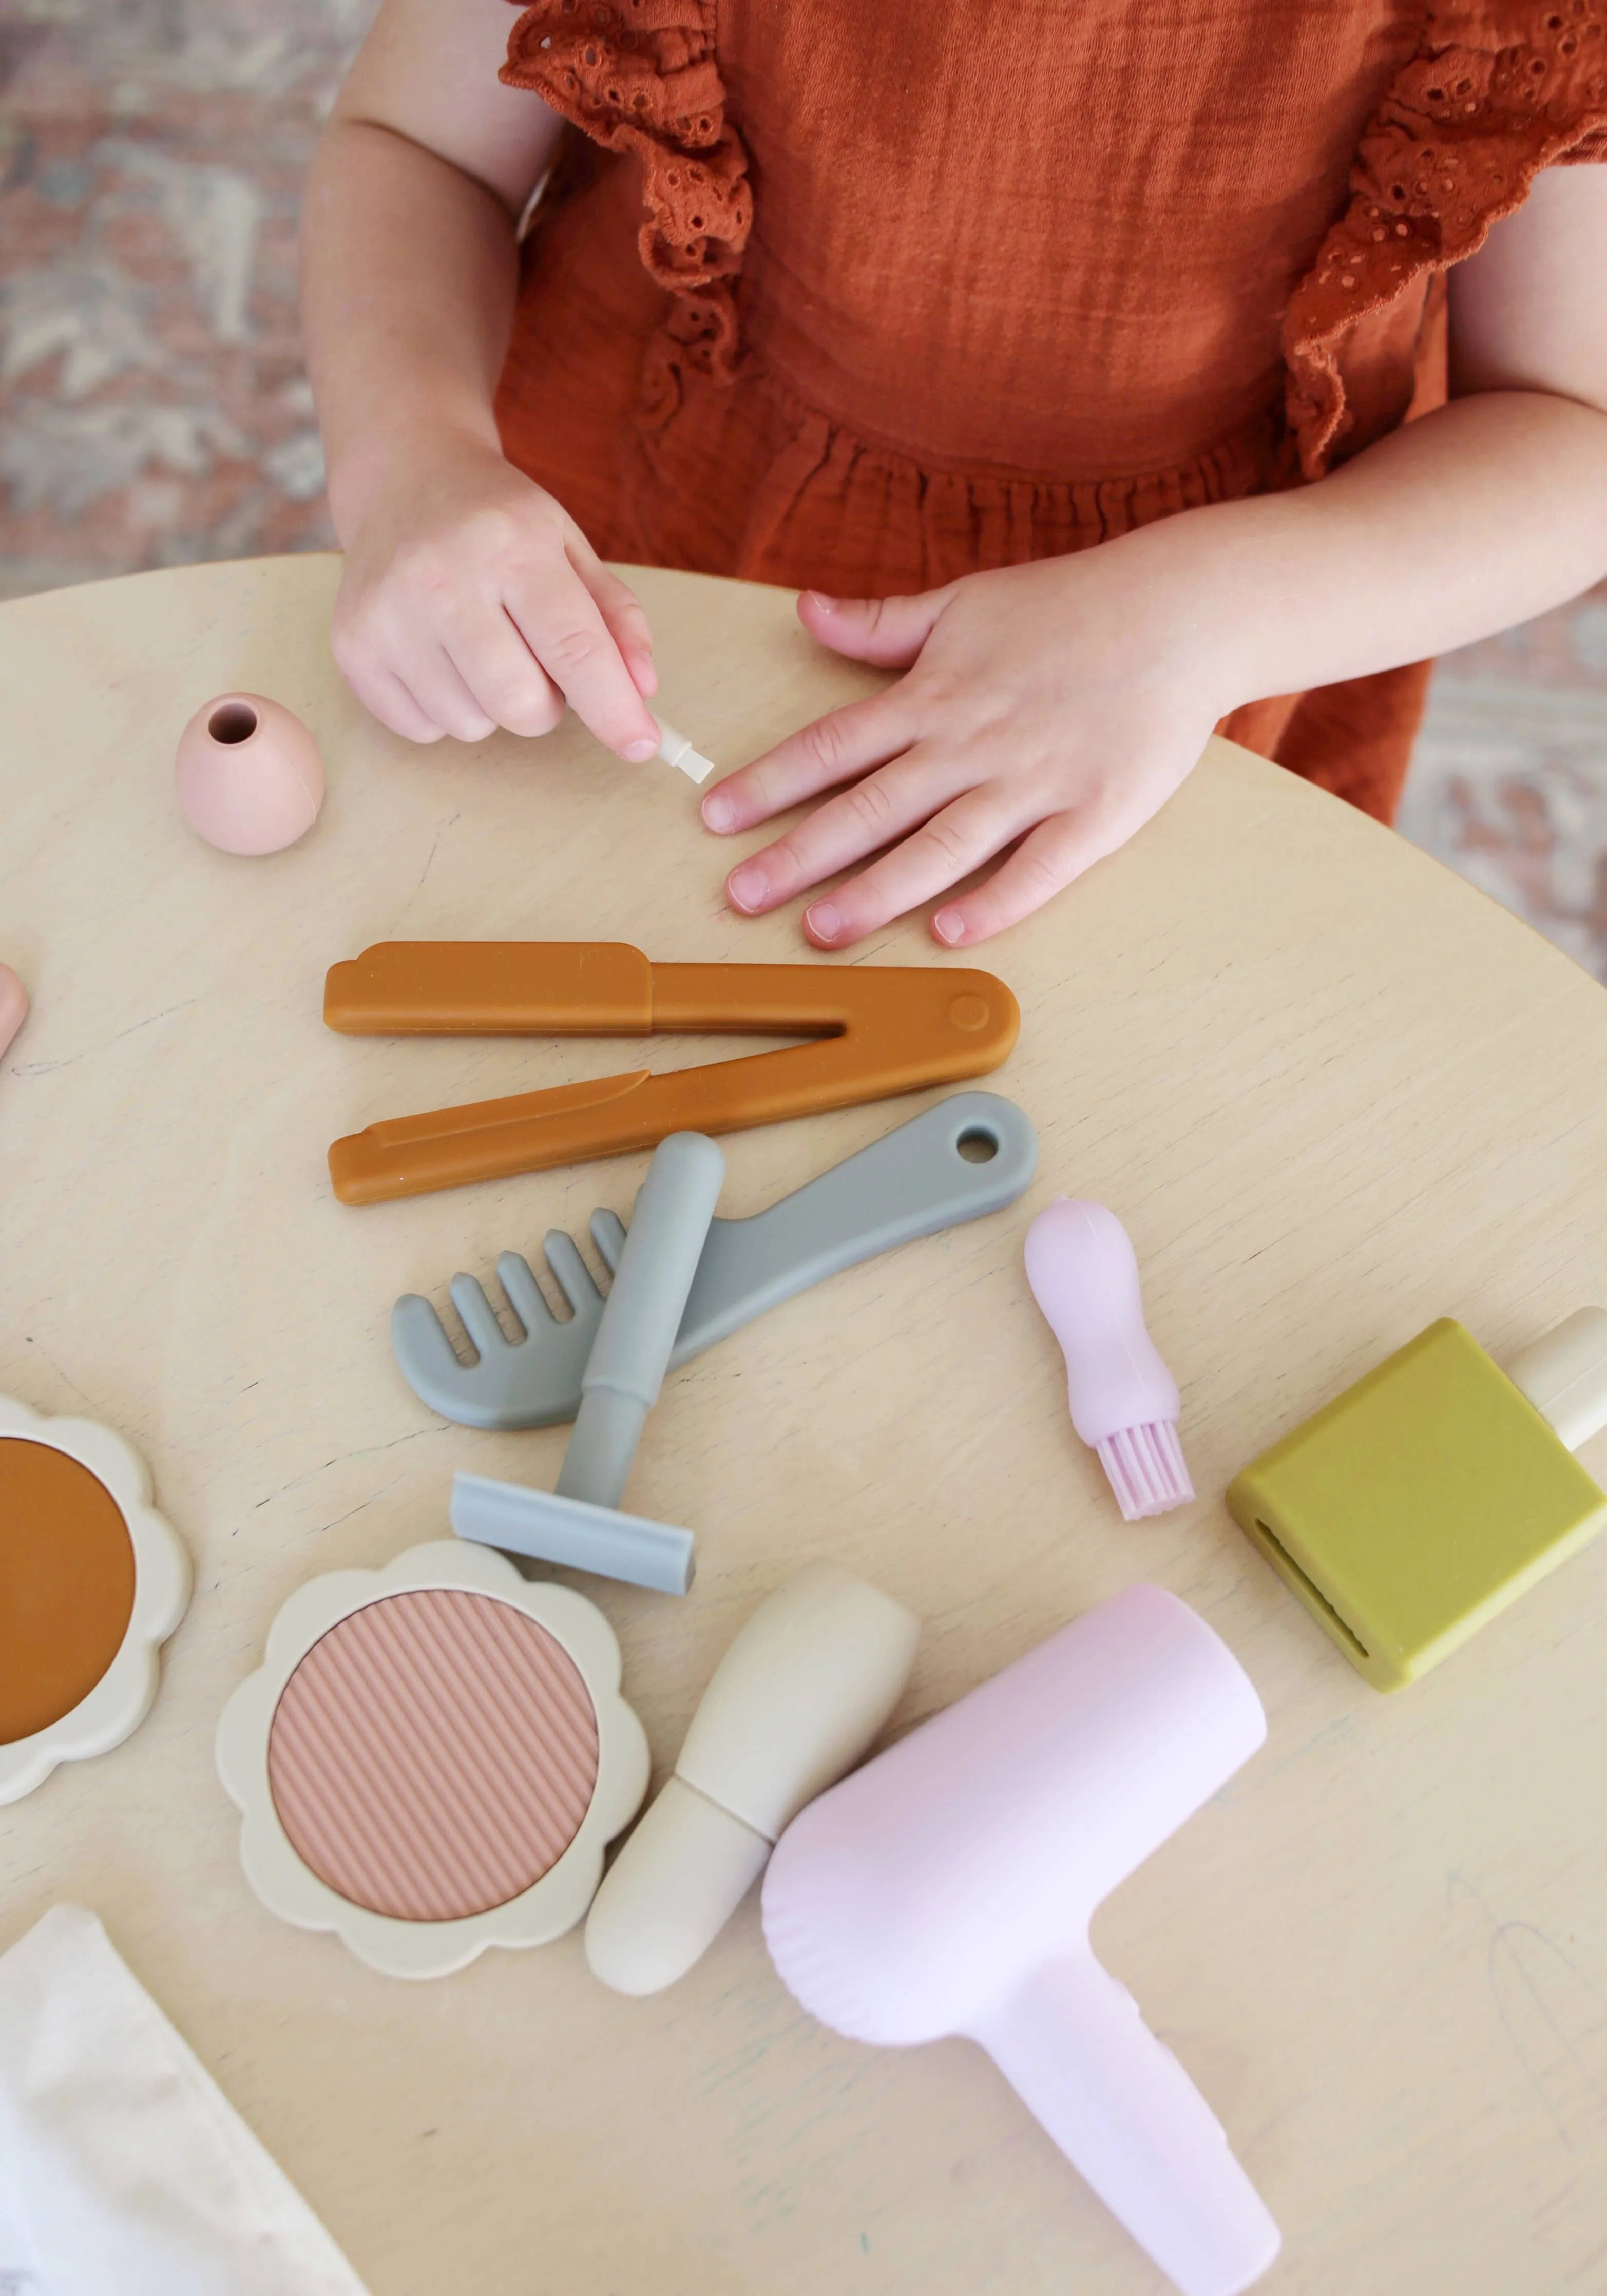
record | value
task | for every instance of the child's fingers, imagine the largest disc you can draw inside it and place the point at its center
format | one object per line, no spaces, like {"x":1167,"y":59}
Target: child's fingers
{"x":438,"y":687}
{"x":858,"y":821}
{"x":888,"y":631}
{"x":1057,"y":852}
{"x":624,"y":613}
{"x":382,"y":692}
{"x":503,"y":676}
{"x":950,"y":846}
{"x":563,"y":626}
{"x":385,"y":697}
{"x":835,"y":747}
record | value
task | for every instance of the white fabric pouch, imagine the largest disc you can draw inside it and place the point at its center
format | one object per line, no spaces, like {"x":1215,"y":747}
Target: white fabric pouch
{"x":123,"y":2169}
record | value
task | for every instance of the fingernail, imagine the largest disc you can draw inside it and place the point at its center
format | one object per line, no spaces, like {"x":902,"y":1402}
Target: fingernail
{"x":718,"y":811}
{"x":949,"y":925}
{"x":820,"y":598}
{"x":748,"y":885}
{"x":639,"y":752}
{"x":823,"y":921}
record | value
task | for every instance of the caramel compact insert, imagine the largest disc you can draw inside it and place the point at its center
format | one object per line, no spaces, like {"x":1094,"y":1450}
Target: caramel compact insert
{"x":66,"y":1586}
{"x":92,"y":1583}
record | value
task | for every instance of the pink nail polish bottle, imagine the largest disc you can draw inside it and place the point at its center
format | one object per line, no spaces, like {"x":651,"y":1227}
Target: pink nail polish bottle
{"x":248,"y":774}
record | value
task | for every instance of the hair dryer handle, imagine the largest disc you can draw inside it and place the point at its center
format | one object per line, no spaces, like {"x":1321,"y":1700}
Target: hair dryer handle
{"x":1073,"y":2046}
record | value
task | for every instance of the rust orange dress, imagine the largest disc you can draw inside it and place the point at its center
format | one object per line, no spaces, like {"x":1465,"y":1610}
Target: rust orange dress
{"x":861,"y":295}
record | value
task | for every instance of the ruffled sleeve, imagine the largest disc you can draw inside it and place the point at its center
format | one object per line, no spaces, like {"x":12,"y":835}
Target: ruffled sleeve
{"x":1494,"y":93}
{"x":641,"y":76}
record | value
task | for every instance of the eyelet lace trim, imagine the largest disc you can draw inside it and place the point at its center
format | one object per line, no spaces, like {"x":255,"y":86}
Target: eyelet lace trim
{"x":1454,"y":147}
{"x":640,"y":76}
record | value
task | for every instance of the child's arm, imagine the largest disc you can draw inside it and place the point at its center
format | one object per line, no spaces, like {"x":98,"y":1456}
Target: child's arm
{"x":469,"y":598}
{"x":1060,"y":704}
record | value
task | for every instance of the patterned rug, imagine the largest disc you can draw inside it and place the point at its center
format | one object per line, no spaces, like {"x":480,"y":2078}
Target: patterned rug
{"x":153,"y":410}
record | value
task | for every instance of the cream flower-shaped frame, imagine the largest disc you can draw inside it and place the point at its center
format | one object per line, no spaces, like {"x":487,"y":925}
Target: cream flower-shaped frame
{"x":288,"y":1887}
{"x":121,"y":1699}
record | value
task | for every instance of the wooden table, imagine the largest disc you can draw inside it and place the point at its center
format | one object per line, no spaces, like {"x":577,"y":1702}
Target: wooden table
{"x":1333,"y":1093}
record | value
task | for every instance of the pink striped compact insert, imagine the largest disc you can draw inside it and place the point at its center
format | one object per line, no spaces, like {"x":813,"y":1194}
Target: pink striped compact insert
{"x":433,"y":1755}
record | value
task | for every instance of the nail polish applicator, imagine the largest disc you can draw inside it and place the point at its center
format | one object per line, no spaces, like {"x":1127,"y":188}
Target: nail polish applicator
{"x":947,"y":1887}
{"x":581,"y":1525}
{"x":798,"y":1698}
{"x":1083,"y":1276}
{"x":675,"y":749}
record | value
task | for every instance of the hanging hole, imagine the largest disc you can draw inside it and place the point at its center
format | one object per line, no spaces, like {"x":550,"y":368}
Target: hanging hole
{"x":976,"y":1146}
{"x":236,"y":721}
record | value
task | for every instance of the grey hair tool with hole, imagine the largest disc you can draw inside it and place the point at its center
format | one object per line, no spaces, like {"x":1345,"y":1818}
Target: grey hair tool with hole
{"x":971,"y":1154}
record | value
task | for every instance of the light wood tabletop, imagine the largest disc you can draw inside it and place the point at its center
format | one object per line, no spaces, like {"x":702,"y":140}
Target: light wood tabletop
{"x":1333,"y":1093}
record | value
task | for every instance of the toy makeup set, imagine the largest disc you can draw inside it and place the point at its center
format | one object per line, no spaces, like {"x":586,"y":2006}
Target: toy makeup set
{"x":434,"y":1758}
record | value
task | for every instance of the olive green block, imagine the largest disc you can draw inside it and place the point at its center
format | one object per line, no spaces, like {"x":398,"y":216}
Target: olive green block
{"x":1408,"y":1512}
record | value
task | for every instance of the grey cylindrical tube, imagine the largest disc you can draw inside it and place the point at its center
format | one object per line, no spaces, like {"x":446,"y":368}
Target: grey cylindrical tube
{"x":641,"y":1319}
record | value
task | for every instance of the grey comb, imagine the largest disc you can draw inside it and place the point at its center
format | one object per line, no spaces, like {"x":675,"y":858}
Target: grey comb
{"x":974,"y":1153}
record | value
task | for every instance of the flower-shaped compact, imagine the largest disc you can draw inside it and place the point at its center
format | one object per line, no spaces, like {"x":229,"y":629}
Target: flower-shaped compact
{"x":92,"y":1581}
{"x":432,"y":1759}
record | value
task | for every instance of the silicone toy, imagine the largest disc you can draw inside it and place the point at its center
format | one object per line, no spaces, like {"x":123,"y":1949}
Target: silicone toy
{"x":675,"y":749}
{"x":1408,"y":1512}
{"x":249,"y":776}
{"x":879,"y":1031}
{"x":1124,"y":1401}
{"x":581,"y":1525}
{"x":431,"y":1759}
{"x":971,"y":1154}
{"x":947,"y":1887}
{"x":92,"y":1581}
{"x":14,"y":1006}
{"x":562,"y":1529}
{"x":798,"y":1698}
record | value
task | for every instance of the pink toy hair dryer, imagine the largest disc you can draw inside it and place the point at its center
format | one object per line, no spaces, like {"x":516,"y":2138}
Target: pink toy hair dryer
{"x":947,"y":1888}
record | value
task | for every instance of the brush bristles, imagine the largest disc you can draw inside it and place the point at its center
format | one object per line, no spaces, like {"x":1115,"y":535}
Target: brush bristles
{"x":1147,"y":1469}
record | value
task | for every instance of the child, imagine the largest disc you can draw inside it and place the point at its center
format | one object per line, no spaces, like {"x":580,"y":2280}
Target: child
{"x":907,"y":303}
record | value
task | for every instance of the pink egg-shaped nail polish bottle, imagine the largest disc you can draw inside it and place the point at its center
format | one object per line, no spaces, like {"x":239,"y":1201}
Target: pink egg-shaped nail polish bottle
{"x":249,"y":776}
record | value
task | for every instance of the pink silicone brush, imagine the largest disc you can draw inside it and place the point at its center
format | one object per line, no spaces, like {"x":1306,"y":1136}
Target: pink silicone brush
{"x":1124,"y":1401}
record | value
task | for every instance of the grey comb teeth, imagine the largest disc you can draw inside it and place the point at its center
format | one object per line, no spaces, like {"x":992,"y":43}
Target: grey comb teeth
{"x":531,"y":1381}
{"x":971,"y":1154}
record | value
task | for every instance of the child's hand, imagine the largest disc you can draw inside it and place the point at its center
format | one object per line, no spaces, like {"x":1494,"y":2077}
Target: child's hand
{"x":472,"y":600}
{"x":1058,"y":704}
